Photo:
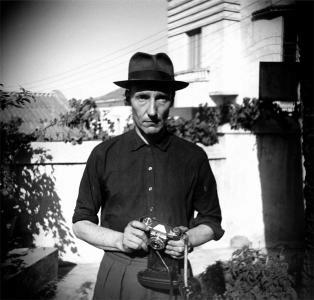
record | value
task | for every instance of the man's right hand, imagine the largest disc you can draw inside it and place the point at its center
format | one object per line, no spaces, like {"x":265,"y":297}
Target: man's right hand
{"x":134,"y":236}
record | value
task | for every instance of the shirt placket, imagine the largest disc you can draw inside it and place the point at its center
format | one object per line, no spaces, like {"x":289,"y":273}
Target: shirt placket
{"x":150,"y":173}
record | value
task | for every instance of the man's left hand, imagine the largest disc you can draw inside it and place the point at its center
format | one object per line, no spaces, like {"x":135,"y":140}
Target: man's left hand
{"x":176,"y":248}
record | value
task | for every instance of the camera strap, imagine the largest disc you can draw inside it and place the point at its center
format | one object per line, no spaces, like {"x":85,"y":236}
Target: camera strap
{"x":185,"y":291}
{"x":169,"y":274}
{"x":186,"y":288}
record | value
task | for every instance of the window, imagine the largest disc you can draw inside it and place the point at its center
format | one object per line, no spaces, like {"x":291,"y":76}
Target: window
{"x":194,"y":48}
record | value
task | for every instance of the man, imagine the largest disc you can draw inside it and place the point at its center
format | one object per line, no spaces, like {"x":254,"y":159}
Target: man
{"x":144,"y":172}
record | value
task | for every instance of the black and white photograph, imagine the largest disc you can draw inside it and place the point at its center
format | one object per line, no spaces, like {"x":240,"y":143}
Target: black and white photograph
{"x":157,"y":149}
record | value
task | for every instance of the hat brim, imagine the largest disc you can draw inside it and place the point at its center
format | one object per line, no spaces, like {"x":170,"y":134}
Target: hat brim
{"x":173,"y":84}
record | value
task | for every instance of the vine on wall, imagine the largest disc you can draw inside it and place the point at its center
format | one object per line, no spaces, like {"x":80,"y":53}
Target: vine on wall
{"x":249,"y":115}
{"x":203,"y":128}
{"x":84,"y":120}
{"x":253,"y":112}
{"x":28,"y":202}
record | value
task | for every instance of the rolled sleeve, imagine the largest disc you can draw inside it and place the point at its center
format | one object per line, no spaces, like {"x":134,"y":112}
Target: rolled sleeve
{"x":89,"y":198}
{"x":206,"y":201}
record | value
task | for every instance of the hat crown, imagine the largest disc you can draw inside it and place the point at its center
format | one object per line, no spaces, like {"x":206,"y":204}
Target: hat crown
{"x":159,"y":62}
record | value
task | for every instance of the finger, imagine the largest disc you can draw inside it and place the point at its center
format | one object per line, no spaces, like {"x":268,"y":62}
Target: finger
{"x":144,"y":246}
{"x":138,"y":225}
{"x":131,"y":245}
{"x":175,"y":249}
{"x":138,"y":233}
{"x":133,"y":238}
{"x":174,"y":243}
{"x":183,"y":229}
{"x":134,"y":243}
{"x":129,"y":230}
{"x":174,"y":254}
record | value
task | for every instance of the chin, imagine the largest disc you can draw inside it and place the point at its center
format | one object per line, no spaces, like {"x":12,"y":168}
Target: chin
{"x":151,"y":130}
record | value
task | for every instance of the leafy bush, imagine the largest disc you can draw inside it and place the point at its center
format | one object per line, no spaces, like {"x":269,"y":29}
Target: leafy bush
{"x":16,"y":99}
{"x":28,"y":201}
{"x":249,"y":274}
{"x":200,"y":129}
{"x":203,"y":127}
{"x":84,"y":121}
{"x":254,"y":111}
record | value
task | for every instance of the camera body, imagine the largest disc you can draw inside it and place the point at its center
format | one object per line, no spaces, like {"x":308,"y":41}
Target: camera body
{"x":159,"y":234}
{"x":157,"y":276}
{"x":163,"y":272}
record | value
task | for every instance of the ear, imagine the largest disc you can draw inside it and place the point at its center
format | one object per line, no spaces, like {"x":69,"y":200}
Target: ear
{"x":173,"y":95}
{"x":127,"y":100}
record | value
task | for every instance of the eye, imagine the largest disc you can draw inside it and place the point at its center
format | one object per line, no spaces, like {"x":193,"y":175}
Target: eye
{"x":142,"y":97}
{"x":162,"y":99}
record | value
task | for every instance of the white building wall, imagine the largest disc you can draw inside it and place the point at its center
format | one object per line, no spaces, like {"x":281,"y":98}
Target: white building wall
{"x":221,"y":55}
{"x":220,"y":48}
{"x":261,"y":41}
{"x":194,"y":95}
{"x":178,"y":51}
{"x":259,"y":198}
{"x":212,"y":41}
{"x":233,"y":45}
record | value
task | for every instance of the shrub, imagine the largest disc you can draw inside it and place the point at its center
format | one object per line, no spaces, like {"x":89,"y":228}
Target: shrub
{"x":202,"y":128}
{"x":249,"y":274}
{"x":28,"y":200}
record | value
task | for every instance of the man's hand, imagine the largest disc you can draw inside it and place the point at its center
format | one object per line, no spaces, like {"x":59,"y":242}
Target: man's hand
{"x":176,"y":248}
{"x":134,"y":236}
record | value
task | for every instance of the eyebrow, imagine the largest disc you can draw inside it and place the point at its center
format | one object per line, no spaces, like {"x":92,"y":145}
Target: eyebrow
{"x":157,"y":94}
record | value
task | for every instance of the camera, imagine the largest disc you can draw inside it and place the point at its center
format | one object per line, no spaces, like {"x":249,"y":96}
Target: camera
{"x":163,"y":272}
{"x":159,"y":233}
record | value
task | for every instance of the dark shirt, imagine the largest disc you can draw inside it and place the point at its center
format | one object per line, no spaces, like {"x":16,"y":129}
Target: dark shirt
{"x":128,"y":179}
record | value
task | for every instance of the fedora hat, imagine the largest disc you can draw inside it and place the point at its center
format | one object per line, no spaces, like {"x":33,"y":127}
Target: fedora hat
{"x":155,"y":69}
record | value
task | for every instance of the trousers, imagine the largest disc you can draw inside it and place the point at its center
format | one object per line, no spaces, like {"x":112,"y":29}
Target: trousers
{"x":117,"y":279}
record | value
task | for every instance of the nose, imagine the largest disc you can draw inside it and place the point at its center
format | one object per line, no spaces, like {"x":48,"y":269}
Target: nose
{"x":152,"y":110}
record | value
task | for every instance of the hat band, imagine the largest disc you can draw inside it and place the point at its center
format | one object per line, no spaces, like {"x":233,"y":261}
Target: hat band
{"x":150,"y":75}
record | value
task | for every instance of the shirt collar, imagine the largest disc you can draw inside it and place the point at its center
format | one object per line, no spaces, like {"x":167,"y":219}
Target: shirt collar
{"x":136,"y":141}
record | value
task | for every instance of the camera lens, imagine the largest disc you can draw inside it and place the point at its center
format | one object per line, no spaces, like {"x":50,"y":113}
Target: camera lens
{"x":157,"y":243}
{"x":147,"y":221}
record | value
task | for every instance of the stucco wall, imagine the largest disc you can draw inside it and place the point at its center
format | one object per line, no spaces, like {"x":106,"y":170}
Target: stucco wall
{"x":260,"y":188}
{"x":221,"y":43}
{"x":261,"y":40}
{"x":259,"y":182}
{"x":68,"y":163}
{"x":232,"y":47}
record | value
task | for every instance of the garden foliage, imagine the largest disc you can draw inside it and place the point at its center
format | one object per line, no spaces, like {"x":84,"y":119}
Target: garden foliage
{"x":29,"y":202}
{"x":249,"y":274}
{"x":83,"y":120}
{"x":203,"y":127}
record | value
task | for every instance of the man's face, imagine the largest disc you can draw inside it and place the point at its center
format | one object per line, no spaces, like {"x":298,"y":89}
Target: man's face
{"x":150,"y":108}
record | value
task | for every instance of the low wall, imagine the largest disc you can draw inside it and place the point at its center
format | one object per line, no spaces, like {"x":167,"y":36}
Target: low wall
{"x":259,"y":180}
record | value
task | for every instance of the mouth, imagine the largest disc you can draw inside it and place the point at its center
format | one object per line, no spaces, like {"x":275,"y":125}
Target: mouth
{"x":151,"y":123}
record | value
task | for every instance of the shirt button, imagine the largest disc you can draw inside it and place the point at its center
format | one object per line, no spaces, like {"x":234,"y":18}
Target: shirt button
{"x":150,"y":168}
{"x":150,"y":188}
